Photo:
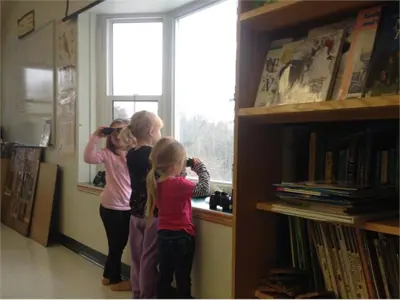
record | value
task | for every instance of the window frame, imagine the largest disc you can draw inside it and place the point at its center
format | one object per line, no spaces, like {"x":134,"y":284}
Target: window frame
{"x":176,"y":15}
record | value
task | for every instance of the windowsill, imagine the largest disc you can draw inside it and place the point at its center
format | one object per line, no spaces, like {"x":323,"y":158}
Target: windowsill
{"x":200,"y":207}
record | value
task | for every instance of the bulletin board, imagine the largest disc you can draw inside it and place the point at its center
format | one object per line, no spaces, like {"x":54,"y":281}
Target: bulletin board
{"x":36,"y":69}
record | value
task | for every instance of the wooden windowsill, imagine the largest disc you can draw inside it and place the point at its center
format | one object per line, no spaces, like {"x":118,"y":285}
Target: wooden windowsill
{"x":199,"y":207}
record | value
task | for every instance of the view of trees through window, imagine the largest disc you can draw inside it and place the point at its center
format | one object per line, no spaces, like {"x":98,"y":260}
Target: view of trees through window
{"x":125,"y":109}
{"x":204,"y":86}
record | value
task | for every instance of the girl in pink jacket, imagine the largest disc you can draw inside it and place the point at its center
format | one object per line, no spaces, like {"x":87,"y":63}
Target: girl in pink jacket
{"x":114,"y":201}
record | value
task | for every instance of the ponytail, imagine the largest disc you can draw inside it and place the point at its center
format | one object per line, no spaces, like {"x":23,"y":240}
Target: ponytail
{"x":151,"y":184}
{"x":126,"y":138}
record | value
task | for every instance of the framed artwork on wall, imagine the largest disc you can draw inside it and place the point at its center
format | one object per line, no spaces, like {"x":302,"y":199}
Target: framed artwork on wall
{"x":26,"y":24}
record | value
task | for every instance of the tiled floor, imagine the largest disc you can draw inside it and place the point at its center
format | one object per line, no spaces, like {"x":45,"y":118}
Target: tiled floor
{"x":29,"y":270}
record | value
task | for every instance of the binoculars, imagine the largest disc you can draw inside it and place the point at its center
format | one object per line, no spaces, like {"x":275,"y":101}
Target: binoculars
{"x":100,"y":179}
{"x":221,"y":199}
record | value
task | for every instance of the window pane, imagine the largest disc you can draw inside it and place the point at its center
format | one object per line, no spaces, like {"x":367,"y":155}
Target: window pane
{"x":137,"y":59}
{"x":205,"y":84}
{"x":125,"y":109}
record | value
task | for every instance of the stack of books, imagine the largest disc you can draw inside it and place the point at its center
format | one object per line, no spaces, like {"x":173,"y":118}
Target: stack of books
{"x":335,"y":202}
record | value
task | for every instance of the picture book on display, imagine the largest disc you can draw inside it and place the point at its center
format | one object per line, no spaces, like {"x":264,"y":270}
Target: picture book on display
{"x":383,"y":76}
{"x":309,"y":68}
{"x":347,"y":26}
{"x":267,"y":95}
{"x":267,"y":91}
{"x":359,"y":56}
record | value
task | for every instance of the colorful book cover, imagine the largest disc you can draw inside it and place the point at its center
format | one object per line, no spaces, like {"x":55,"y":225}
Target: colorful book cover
{"x":357,"y":61}
{"x":308,"y":68}
{"x":383,"y":76}
{"x":348,"y":27}
{"x":267,"y":89}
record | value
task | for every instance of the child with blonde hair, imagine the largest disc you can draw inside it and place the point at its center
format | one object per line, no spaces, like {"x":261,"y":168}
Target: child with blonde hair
{"x":171,"y":194}
{"x":144,"y":130}
{"x":114,"y":200}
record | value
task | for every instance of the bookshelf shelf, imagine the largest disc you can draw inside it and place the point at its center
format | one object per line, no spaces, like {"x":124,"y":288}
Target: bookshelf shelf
{"x":390,"y":226}
{"x":384,"y":107}
{"x":289,"y":13}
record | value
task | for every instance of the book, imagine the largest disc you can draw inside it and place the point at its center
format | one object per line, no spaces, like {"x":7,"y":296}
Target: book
{"x":383,"y":78}
{"x":267,"y":90}
{"x":347,"y":26}
{"x":357,"y":60}
{"x":308,"y":68}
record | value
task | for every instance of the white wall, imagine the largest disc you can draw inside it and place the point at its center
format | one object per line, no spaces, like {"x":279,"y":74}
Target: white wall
{"x":79,"y":211}
{"x":212,"y":272}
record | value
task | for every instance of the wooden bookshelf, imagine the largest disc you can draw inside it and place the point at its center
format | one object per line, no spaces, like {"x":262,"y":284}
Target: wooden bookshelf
{"x":258,"y":149}
{"x":385,"y":226}
{"x":288,"y":13}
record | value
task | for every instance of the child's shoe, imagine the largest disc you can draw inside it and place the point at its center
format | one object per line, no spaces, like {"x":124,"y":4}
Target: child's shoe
{"x":123,"y":286}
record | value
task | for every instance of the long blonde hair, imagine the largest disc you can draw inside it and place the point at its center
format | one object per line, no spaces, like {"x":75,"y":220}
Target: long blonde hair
{"x":167,"y":153}
{"x":139,"y":128}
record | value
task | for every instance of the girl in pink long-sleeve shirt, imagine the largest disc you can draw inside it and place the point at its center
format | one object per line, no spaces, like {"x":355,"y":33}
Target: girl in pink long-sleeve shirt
{"x":114,"y":201}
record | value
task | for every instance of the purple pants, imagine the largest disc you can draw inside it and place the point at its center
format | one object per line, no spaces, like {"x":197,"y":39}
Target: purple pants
{"x":143,"y":239}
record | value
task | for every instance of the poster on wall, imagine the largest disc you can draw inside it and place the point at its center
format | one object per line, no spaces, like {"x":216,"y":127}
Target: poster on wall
{"x":66,"y":100}
{"x":66,"y":86}
{"x":66,"y":43}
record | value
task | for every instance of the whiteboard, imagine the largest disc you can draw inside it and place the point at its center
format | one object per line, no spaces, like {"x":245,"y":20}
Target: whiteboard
{"x":36,"y":60}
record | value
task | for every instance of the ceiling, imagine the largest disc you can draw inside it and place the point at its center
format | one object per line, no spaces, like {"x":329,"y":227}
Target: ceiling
{"x":137,"y":6}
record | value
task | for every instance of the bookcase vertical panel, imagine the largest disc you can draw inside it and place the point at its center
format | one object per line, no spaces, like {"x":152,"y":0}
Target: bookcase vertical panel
{"x":256,"y":169}
{"x":252,"y":47}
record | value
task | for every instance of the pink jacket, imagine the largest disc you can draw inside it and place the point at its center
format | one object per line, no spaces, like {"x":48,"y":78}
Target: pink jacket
{"x":117,"y":191}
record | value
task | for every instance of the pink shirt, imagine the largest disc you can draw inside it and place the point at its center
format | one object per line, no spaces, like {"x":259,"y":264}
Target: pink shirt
{"x":117,"y":192}
{"x":174,"y":203}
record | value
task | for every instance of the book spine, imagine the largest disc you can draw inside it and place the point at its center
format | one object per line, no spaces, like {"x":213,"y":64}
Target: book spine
{"x":351,"y":164}
{"x":342,"y":166}
{"x":382,"y":267}
{"x":384,"y":167}
{"x":339,"y":263}
{"x":359,"y":276}
{"x":312,"y":157}
{"x":327,"y":252}
{"x":322,"y":257}
{"x":329,"y":167}
{"x":390,"y":266}
{"x":292,"y":247}
{"x":368,"y":159}
{"x":378,"y":168}
{"x":364,"y":263}
{"x":392,"y":167}
{"x":343,"y":242}
{"x":317,"y":285}
{"x":397,"y":165}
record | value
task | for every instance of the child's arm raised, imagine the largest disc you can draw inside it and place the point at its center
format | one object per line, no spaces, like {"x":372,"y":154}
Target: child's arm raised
{"x":91,"y":155}
{"x":202,"y":187}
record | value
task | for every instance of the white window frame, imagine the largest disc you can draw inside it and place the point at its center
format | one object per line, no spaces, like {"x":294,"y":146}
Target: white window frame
{"x":105,"y":54}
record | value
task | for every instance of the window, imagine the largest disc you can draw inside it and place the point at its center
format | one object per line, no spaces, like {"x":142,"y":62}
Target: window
{"x":205,"y":61}
{"x":137,"y":58}
{"x":134,"y":73}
